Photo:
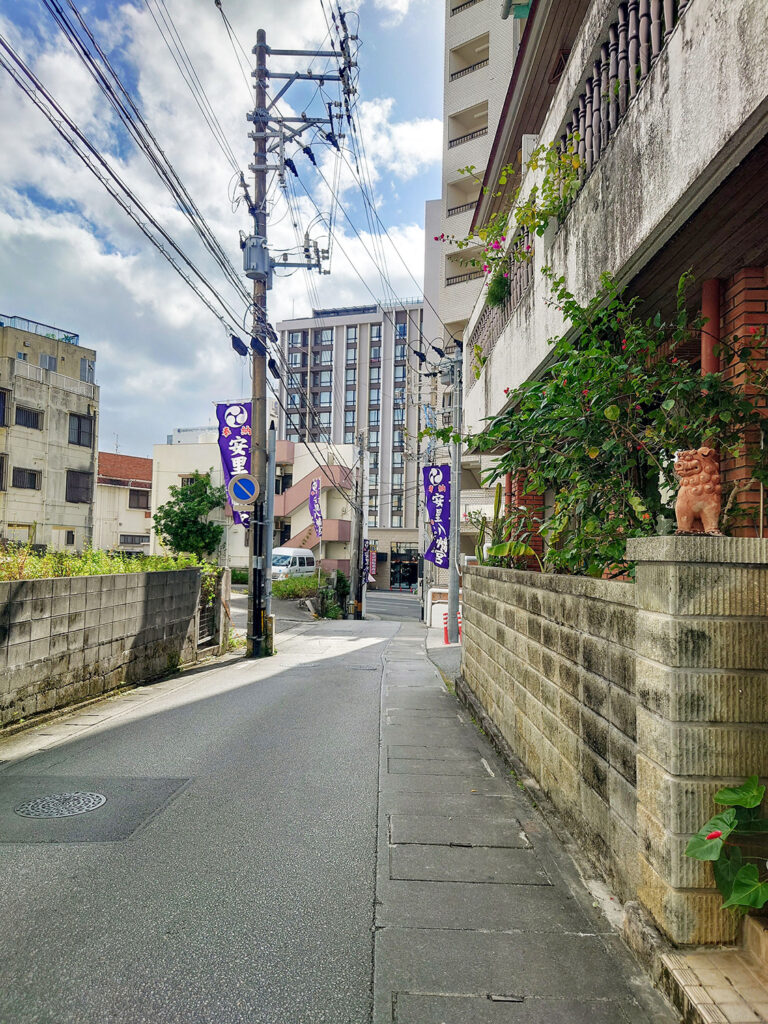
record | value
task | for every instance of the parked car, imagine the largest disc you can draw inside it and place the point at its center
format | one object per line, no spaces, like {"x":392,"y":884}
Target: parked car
{"x":292,"y":562}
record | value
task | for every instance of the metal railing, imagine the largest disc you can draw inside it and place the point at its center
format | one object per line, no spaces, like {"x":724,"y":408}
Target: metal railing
{"x":21,"y":368}
{"x":466,"y":138}
{"x":33,"y":327}
{"x":494,"y":319}
{"x":464,"y":6}
{"x":453,"y":210}
{"x":468,"y":71}
{"x":458,"y":278}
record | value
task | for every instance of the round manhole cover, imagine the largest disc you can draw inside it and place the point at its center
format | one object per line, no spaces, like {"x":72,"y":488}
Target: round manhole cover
{"x":61,"y":805}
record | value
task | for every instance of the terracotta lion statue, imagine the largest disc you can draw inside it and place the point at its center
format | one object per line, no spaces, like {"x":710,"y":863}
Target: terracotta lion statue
{"x":698,"y":501}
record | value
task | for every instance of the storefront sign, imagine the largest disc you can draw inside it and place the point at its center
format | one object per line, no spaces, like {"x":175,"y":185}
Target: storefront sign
{"x":314,"y":506}
{"x":235,"y":446}
{"x":437,"y":493}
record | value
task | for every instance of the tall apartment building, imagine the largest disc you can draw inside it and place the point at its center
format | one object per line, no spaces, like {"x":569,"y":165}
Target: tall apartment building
{"x":48,"y":426}
{"x":480,"y":48}
{"x":353,"y":371}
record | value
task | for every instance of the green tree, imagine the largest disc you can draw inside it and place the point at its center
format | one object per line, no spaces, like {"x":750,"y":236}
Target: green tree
{"x":182,"y":522}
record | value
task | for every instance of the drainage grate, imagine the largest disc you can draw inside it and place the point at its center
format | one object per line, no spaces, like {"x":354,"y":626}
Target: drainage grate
{"x":60,"y":805}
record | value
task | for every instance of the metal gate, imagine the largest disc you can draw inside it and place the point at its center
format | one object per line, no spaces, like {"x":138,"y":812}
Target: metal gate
{"x":206,"y":625}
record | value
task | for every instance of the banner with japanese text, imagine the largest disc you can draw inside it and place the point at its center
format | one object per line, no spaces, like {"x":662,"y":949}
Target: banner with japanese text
{"x":315,"y":510}
{"x":437,"y":495}
{"x":235,"y":445}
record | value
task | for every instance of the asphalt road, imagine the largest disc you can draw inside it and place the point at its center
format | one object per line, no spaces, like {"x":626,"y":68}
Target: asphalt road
{"x":392,"y":605}
{"x":230,"y":875}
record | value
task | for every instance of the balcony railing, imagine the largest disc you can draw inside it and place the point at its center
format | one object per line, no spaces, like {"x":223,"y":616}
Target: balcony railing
{"x":494,"y":319}
{"x":452,"y":211}
{"x":21,"y":368}
{"x":468,"y":71}
{"x":464,"y":6}
{"x":461,"y":139}
{"x":458,"y":278}
{"x":33,"y":327}
{"x":634,"y":41}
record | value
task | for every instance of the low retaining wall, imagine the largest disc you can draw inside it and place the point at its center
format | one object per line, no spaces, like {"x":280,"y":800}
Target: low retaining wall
{"x":68,"y":639}
{"x":631,"y":704}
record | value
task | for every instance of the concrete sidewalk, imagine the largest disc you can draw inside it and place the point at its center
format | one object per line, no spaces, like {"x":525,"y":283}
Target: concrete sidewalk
{"x":481,"y":917}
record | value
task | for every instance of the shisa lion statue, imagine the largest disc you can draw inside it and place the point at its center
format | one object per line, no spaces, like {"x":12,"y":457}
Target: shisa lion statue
{"x":700,"y":494}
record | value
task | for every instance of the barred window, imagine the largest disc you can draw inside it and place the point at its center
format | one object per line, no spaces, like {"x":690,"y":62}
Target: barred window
{"x":81,"y":430}
{"x":78,"y":486}
{"x":28,"y":479}
{"x":134,"y":538}
{"x":31,"y":418}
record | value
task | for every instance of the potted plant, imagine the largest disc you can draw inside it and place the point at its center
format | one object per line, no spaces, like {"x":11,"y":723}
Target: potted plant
{"x":736,"y":841}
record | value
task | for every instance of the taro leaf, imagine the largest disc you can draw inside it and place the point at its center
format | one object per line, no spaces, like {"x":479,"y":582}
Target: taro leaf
{"x":749,"y":794}
{"x":709,"y":849}
{"x":511,"y":549}
{"x":725,"y":870}
{"x":612,"y":413}
{"x":748,"y":890}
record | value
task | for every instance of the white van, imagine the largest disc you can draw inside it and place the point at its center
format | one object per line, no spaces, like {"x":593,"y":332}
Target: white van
{"x":292,"y":562}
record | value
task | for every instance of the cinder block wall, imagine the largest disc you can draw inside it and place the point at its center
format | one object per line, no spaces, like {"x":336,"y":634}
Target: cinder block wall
{"x":64,"y":640}
{"x":632,"y":704}
{"x":552,"y":661}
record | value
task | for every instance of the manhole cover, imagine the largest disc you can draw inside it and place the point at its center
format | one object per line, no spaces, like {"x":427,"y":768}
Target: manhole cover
{"x":60,"y":805}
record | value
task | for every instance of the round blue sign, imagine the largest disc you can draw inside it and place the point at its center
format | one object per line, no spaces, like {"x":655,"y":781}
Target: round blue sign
{"x":244,"y":490}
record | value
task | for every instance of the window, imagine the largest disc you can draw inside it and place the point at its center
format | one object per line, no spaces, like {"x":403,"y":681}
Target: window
{"x":351,"y":353}
{"x":28,"y":479}
{"x":324,"y":419}
{"x":138,"y":499}
{"x":324,"y":398}
{"x":352,"y":334}
{"x":373,"y":480}
{"x":399,"y":416}
{"x":399,"y":396}
{"x":187,"y":481}
{"x":373,"y":517}
{"x":324,"y":337}
{"x":349,"y":418}
{"x":397,"y":479}
{"x":302,"y":560}
{"x":350,"y":397}
{"x":4,"y":405}
{"x":326,"y":357}
{"x":401,"y":330}
{"x":295,"y":339}
{"x":375,"y":332}
{"x":294,"y":358}
{"x":294,"y":380}
{"x":375,"y":353}
{"x":398,"y":438}
{"x":48,"y":362}
{"x":78,"y":486}
{"x":397,"y":522}
{"x":293,"y":401}
{"x":373,"y":438}
{"x":325,"y":377}
{"x":22,"y":356}
{"x":397,"y":503}
{"x":351,"y":377}
{"x":293,"y":436}
{"x":399,"y":373}
{"x":349,"y":437}
{"x":70,"y":537}
{"x":373,"y":417}
{"x":398,"y":460}
{"x":28,"y":418}
{"x":134,"y":538}
{"x":294,"y":421}
{"x":374,"y":396}
{"x":399,"y":351}
{"x":81,"y":430}
{"x":375,"y":374}
{"x":87,"y":370}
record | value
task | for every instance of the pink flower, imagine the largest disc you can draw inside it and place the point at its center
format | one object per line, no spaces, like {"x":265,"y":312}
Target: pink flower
{"x":506,"y":274}
{"x":715,"y":835}
{"x":506,"y":391}
{"x":437,"y":238}
{"x":753,"y":330}
{"x":674,"y":359}
{"x":485,"y":267}
{"x":503,"y":238}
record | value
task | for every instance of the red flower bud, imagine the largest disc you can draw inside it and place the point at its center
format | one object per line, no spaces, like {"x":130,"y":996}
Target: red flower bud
{"x":715,"y":835}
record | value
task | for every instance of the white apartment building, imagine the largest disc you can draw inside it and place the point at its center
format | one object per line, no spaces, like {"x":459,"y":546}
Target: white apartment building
{"x":122,"y":520}
{"x":48,"y":427}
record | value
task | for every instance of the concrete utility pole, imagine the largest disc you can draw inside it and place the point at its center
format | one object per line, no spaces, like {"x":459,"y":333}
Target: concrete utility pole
{"x":455,"y":531}
{"x":270,"y":134}
{"x":356,"y":554}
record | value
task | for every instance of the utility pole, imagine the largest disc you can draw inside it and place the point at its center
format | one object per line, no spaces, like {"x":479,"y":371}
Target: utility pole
{"x":271,"y":132}
{"x":356,"y":555}
{"x":455,"y":532}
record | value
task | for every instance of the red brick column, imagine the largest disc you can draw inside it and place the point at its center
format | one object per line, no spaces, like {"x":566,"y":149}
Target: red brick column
{"x":534,"y":503}
{"x":744,"y":311}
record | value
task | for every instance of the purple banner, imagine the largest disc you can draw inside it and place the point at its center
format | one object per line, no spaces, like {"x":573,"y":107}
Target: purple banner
{"x":437,"y":493}
{"x":235,"y":444}
{"x":314,"y":506}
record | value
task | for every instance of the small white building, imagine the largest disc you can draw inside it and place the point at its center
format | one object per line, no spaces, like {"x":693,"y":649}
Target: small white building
{"x":123,"y":517}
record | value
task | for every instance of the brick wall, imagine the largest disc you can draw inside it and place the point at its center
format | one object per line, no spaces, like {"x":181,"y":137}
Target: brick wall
{"x":64,"y":640}
{"x":631,"y":704}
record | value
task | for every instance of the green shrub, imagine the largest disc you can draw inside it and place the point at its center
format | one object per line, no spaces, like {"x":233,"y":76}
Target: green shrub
{"x":21,"y":563}
{"x":240,"y":576}
{"x":498,"y":288}
{"x":294,"y":587}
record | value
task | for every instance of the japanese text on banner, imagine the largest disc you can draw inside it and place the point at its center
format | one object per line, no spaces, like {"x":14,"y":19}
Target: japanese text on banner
{"x":437,"y":494}
{"x":235,"y":445}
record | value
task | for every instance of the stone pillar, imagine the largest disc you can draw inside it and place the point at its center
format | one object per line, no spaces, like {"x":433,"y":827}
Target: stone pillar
{"x":702,"y":713}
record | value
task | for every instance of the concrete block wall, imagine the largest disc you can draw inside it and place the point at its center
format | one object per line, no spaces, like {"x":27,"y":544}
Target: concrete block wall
{"x":552,"y":660}
{"x":632,"y":704}
{"x":67,"y":639}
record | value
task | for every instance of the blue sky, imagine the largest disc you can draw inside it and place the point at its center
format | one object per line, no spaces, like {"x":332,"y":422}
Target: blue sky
{"x":69,"y":256}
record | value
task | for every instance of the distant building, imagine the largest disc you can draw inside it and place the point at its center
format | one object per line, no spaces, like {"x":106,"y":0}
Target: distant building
{"x":48,"y":428}
{"x":123,"y":516}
